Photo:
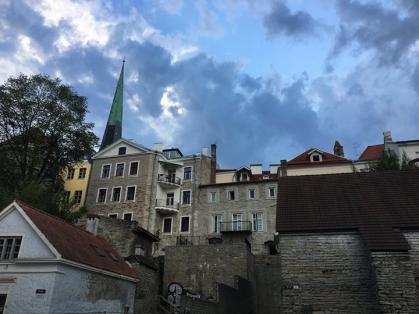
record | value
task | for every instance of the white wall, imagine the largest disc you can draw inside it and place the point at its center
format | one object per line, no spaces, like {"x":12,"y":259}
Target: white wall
{"x":32,"y":246}
{"x":346,"y":168}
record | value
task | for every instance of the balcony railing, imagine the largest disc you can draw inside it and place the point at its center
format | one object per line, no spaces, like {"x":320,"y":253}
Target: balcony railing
{"x":167,"y":203}
{"x":236,"y":226}
{"x":169,"y":179}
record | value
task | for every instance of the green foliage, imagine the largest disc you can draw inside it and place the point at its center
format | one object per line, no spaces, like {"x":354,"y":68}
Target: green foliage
{"x":42,"y":131}
{"x":389,"y":161}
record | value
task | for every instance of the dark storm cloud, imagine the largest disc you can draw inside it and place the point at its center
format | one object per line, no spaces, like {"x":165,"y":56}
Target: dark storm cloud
{"x":281,"y":21}
{"x":372,"y":26}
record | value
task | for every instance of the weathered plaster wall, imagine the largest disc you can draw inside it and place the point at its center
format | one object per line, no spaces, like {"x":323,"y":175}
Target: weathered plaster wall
{"x":83,"y":291}
{"x":146,"y":297}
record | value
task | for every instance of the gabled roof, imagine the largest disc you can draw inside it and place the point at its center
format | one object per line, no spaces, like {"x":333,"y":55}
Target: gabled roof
{"x":372,"y":152}
{"x":372,"y":203}
{"x":77,"y":245}
{"x":122,"y":140}
{"x":327,"y":158}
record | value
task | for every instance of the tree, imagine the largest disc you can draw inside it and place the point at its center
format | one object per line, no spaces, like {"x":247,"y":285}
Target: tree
{"x":42,"y":131}
{"x":389,"y":161}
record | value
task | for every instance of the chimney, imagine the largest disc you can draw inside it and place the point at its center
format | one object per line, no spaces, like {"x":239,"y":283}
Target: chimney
{"x":387,"y":136}
{"x":158,"y":147}
{"x":92,"y":224}
{"x":205,"y":151}
{"x":283,"y":168}
{"x":256,"y":168}
{"x":338,"y":149}
{"x":213,"y":163}
{"x":273,"y":168}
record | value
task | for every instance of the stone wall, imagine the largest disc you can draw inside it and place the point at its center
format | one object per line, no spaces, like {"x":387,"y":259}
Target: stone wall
{"x":326,"y":272}
{"x":395,"y":282}
{"x":146,"y":296}
{"x":199,"y":267}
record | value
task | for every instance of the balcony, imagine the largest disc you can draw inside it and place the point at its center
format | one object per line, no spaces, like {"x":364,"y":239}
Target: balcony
{"x":236,"y":226}
{"x":167,"y":206}
{"x":168,"y":181}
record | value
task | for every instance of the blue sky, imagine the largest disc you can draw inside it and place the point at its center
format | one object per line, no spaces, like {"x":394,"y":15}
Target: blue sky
{"x":263,"y":79}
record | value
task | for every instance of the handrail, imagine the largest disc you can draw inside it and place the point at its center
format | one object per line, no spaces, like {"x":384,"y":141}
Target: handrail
{"x":167,"y":203}
{"x":235,"y":226}
{"x":168,"y":179}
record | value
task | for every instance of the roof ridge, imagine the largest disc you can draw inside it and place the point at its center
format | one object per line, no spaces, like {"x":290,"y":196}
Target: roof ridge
{"x":19,"y":202}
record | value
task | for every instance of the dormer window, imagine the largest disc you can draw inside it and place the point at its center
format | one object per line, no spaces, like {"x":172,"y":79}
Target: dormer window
{"x":122,"y":150}
{"x":244,"y":176}
{"x":316,"y":158}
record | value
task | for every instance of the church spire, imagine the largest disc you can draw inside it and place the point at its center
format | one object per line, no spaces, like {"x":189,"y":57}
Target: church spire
{"x":113,"y":130}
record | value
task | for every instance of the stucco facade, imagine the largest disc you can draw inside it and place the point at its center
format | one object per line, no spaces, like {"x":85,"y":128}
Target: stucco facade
{"x":75,"y":183}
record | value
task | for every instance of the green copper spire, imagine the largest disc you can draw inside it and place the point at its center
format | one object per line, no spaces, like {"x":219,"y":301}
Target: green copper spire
{"x":113,"y":131}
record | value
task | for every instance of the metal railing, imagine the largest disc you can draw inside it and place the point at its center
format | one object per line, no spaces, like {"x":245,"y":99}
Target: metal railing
{"x":236,"y":226}
{"x":169,"y":179}
{"x":167,"y":203}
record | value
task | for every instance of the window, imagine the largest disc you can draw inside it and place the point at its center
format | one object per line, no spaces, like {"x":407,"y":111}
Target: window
{"x":130,"y":193}
{"x":244,"y":176}
{"x":171,"y":175}
{"x":230,"y":195}
{"x":127,"y":216}
{"x":186,"y":197}
{"x":184,"y":224}
{"x":116,"y":194}
{"x":216,"y":226}
{"x":122,"y":150}
{"x":67,"y":196}
{"x":167,"y":224}
{"x":187,"y":173}
{"x":82,"y":173}
{"x":133,"y":168}
{"x":170,"y":199}
{"x":101,"y":195}
{"x":119,"y":170}
{"x":9,"y":247}
{"x":139,"y":250}
{"x":257,"y":222}
{"x":316,"y":158}
{"x":70,"y":173}
{"x":237,"y":222}
{"x":106,"y":171}
{"x":213,"y":197}
{"x":252,"y":194}
{"x":113,"y":216}
{"x":272,"y":192}
{"x":77,"y":196}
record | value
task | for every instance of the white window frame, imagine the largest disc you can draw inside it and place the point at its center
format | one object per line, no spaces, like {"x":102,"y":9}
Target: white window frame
{"x":12,"y":235}
{"x":97,"y":195}
{"x":316,"y":154}
{"x":123,"y":215}
{"x":254,"y":193}
{"x":183,"y":179}
{"x":120,"y":194}
{"x":210,"y":197}
{"x":190,"y":198}
{"x":126,"y":193}
{"x":241,"y":222}
{"x":129,"y":168}
{"x":110,"y":214}
{"x":171,"y":225}
{"x":213,"y":223}
{"x":253,"y":227}
{"x":180,"y":224}
{"x":269,"y":192}
{"x":110,"y":171}
{"x":116,"y":167}
{"x":228,"y":195}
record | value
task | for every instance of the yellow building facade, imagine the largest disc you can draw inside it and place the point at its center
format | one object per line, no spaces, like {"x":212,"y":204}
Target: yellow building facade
{"x":76,"y":179}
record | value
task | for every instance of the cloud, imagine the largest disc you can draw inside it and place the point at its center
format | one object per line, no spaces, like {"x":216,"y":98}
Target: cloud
{"x":281,"y":21}
{"x":387,"y":32}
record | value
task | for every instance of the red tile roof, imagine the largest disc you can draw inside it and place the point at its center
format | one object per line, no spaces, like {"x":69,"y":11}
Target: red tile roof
{"x":76,"y":244}
{"x":327,"y":158}
{"x":374,"y":203}
{"x":372,"y":152}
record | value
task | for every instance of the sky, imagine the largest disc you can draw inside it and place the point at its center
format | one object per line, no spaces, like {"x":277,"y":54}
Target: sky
{"x":263,"y":79}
